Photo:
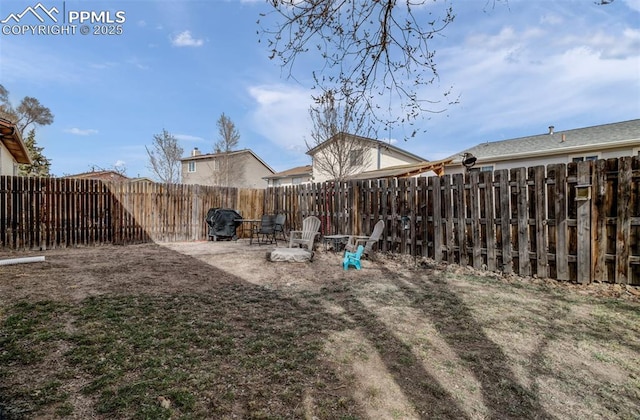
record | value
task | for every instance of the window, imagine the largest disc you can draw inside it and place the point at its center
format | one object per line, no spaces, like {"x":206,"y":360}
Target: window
{"x":583,"y":158}
{"x":486,"y":168}
{"x":356,"y":157}
{"x":215,"y":164}
{"x":296,"y":180}
{"x":192,"y":166}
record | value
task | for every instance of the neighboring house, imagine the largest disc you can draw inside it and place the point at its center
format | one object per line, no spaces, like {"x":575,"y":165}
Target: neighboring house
{"x":374,"y":154}
{"x":104,"y":175}
{"x":110,"y":175}
{"x":590,"y":143}
{"x":13,"y":151}
{"x":294,"y":176}
{"x":245,"y":169}
{"x":420,"y":169}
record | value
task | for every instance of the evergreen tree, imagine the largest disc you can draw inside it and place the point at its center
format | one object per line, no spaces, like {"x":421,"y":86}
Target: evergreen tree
{"x":40,"y":165}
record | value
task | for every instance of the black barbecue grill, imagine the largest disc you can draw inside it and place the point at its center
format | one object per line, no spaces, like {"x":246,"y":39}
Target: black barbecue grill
{"x":223,"y":223}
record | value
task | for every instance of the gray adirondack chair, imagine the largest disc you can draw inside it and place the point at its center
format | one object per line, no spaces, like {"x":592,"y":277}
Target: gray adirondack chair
{"x":306,"y":236}
{"x":367,"y":241}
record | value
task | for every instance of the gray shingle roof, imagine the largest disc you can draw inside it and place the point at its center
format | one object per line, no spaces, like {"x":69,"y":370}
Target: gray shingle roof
{"x":599,"y":135}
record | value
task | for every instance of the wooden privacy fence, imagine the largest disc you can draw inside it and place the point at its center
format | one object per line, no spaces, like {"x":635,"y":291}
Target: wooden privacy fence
{"x":41,"y":213}
{"x":577,"y":222}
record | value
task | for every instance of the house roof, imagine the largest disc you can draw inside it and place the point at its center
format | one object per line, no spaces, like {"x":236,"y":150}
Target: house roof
{"x":558,"y":142}
{"x":232,"y":153}
{"x":373,"y":142}
{"x":297,"y":171}
{"x":10,"y":137}
{"x":404,"y":171}
{"x":107,"y":175}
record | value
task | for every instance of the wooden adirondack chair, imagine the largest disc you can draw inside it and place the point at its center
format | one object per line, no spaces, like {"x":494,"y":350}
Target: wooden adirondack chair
{"x":367,"y":241}
{"x":306,"y":236}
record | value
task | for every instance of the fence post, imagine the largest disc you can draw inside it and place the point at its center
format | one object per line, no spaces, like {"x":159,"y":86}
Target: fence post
{"x":583,"y":197}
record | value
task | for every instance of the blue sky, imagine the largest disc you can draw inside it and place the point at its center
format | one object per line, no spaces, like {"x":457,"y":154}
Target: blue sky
{"x":178,"y":65}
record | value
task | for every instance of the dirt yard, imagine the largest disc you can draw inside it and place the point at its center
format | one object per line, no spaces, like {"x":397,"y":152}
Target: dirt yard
{"x":214,"y":330}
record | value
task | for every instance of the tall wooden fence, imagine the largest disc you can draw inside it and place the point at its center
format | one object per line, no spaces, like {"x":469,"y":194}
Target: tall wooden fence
{"x":44,"y":213}
{"x":577,"y":222}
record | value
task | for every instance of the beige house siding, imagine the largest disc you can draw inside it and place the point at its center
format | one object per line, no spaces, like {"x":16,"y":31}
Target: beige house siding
{"x":246,"y":171}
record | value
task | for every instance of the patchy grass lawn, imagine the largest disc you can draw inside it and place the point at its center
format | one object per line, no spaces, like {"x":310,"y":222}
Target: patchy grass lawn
{"x":215,"y":331}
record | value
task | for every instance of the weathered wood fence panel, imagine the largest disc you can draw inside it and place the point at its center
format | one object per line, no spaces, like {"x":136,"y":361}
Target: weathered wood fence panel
{"x":41,"y":213}
{"x":577,"y":222}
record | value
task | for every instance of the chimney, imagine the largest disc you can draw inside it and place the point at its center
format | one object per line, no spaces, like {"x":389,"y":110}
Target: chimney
{"x":195,"y":152}
{"x":551,"y":129}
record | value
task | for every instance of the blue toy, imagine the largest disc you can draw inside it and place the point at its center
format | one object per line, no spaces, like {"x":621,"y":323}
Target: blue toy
{"x":353,"y":258}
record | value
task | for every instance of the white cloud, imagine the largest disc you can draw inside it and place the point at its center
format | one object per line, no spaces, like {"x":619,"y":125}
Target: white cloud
{"x":518,"y":77}
{"x":282,"y":114}
{"x":119,"y":163}
{"x":105,"y":65}
{"x":633,"y":4}
{"x":81,"y":132}
{"x":185,"y":39}
{"x":190,"y":138}
{"x":551,"y":19}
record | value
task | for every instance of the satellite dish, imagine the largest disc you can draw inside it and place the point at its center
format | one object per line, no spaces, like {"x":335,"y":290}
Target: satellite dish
{"x":468,"y":160}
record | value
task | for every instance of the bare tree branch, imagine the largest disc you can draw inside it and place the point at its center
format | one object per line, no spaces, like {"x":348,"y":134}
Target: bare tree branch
{"x":164,"y":157}
{"x":335,"y":136}
{"x":228,"y":140}
{"x":371,"y":49}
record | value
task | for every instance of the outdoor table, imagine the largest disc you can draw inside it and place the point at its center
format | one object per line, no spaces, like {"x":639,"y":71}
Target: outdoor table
{"x":336,"y":241}
{"x":255,"y":223}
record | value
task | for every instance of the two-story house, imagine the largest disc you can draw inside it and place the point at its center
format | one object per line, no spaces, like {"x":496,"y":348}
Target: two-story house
{"x":239,"y":169}
{"x":590,"y":143}
{"x":357,"y":154}
{"x":13,"y":151}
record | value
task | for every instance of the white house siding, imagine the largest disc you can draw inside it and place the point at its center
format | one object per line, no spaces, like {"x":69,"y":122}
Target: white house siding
{"x":7,"y":163}
{"x":374,"y":159}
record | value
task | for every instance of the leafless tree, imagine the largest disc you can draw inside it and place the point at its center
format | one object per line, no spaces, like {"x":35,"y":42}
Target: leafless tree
{"x":228,"y":139}
{"x":164,"y":157}
{"x":336,"y":136}
{"x":371,"y":49}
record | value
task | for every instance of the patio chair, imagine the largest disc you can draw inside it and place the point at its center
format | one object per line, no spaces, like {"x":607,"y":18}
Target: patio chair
{"x":306,"y":236}
{"x":279,"y":226}
{"x":353,"y":258}
{"x":265,"y":233}
{"x":367,"y":241}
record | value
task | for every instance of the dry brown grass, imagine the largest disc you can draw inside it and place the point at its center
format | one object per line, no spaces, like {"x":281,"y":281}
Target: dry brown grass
{"x":213,"y":330}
